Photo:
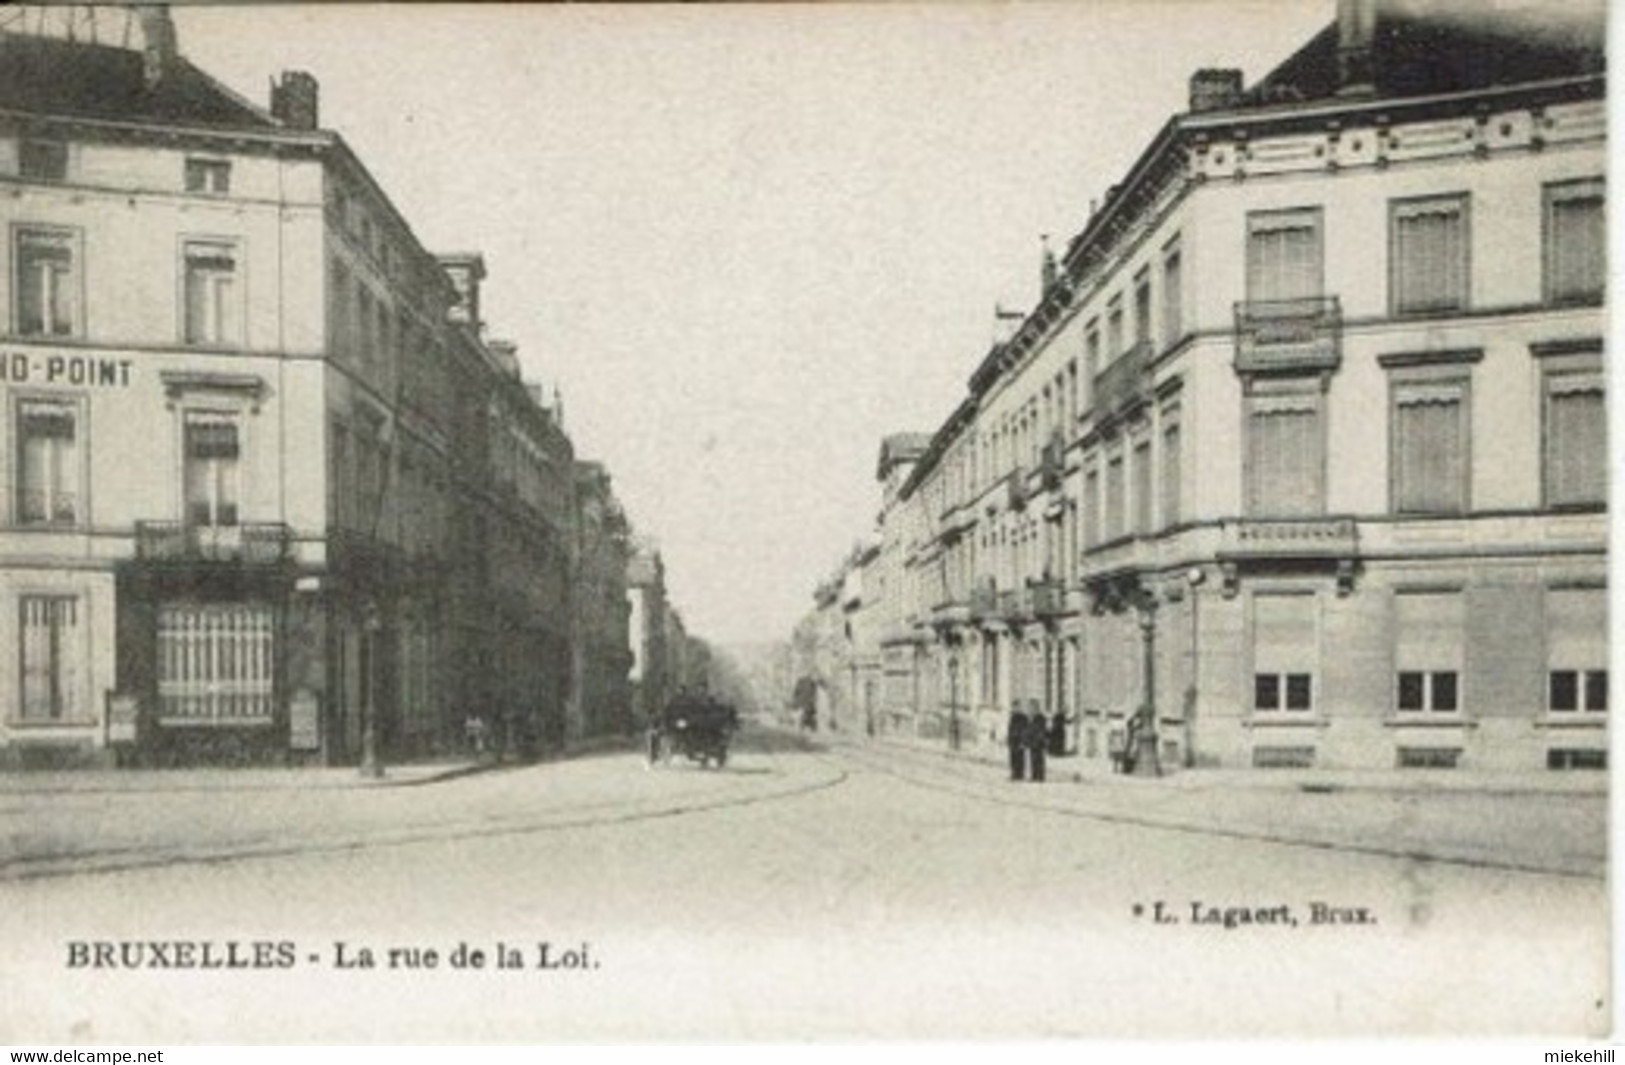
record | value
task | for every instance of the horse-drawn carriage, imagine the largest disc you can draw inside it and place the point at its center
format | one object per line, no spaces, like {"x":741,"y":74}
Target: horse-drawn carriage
{"x":699,"y":730}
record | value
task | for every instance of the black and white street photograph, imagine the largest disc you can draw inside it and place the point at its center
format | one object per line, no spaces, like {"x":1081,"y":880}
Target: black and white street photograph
{"x":804,"y":524}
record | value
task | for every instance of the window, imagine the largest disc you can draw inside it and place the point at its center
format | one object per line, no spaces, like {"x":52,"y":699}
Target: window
{"x":1114,"y":328}
{"x":1576,"y":242}
{"x":1427,"y":757}
{"x":1284,"y":443}
{"x":1091,"y":505}
{"x":208,"y":175}
{"x":367,"y":321}
{"x":1284,"y":257}
{"x":1577,"y":650}
{"x":47,"y":463}
{"x":43,"y":160}
{"x":1142,"y":485}
{"x":1428,"y":652}
{"x":1576,"y":455}
{"x":1429,"y":446}
{"x":212,"y":457}
{"x":213,"y":298}
{"x":1091,"y":359}
{"x":1115,"y":515}
{"x":1170,"y":466}
{"x":1173,"y":311}
{"x":1285,"y":652}
{"x":47,"y":285}
{"x":48,"y":623}
{"x":1142,"y":306}
{"x":1576,"y":758}
{"x":1429,"y":265}
{"x":215,"y":664}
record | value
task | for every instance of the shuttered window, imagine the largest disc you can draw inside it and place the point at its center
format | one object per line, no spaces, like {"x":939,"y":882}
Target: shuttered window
{"x":1284,"y":467}
{"x":47,"y":463}
{"x":213,"y":297}
{"x":1285,"y":652}
{"x":1173,"y":307}
{"x":215,"y":664}
{"x":1576,"y":462}
{"x":1170,"y":467}
{"x":49,"y":626}
{"x":1429,"y":447}
{"x":1284,"y":254}
{"x":212,"y":462}
{"x":1142,"y":486}
{"x":1116,"y":514}
{"x":1429,"y":255}
{"x":1576,"y":242}
{"x":47,"y":285}
{"x":1428,"y":651}
{"x":1577,"y":650}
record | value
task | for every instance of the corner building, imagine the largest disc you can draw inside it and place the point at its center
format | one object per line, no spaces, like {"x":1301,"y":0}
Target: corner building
{"x":269,"y":492}
{"x":1304,"y":446}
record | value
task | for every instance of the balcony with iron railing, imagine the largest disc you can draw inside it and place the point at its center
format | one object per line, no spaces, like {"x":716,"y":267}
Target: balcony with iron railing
{"x":1016,"y":488}
{"x":1052,"y":462}
{"x":1296,"y":334}
{"x":1125,"y":383}
{"x":984,"y":601}
{"x":1048,"y":597}
{"x":255,"y":543}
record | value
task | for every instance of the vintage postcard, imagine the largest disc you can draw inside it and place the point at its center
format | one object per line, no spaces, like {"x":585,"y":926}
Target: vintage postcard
{"x":804,"y":523}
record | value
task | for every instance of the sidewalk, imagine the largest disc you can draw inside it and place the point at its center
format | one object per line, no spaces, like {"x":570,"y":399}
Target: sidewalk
{"x":301,"y":778}
{"x":1553,"y":823}
{"x":1075,"y":769}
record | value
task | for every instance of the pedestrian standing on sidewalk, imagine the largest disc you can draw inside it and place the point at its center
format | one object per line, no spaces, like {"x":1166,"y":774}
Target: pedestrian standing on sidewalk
{"x":1037,"y":740}
{"x":1015,"y":737}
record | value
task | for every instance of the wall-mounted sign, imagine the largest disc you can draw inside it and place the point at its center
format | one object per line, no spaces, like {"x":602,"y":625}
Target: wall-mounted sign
{"x":18,"y":368}
{"x":121,"y":717}
{"x":304,"y":722}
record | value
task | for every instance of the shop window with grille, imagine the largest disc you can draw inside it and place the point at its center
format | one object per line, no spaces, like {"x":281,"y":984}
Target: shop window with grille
{"x":216,"y":664}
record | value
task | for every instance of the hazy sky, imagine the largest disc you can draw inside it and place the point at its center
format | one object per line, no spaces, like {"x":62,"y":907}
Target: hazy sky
{"x":748,"y":241}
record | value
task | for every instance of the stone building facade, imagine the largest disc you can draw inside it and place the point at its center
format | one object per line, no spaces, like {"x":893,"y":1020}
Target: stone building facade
{"x":1300,"y":459}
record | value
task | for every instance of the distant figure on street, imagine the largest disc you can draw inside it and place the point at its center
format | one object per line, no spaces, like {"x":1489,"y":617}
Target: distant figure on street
{"x":474,"y":729}
{"x":1057,"y":733}
{"x":1037,"y":739}
{"x":1015,"y":738}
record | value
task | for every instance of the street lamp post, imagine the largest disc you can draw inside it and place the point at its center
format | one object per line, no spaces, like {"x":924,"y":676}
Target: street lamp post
{"x":1146,"y":759}
{"x":371,"y":625}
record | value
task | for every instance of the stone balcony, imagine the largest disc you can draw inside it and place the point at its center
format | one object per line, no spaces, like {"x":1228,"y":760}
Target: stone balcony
{"x":1289,"y":538}
{"x":1279,"y":335}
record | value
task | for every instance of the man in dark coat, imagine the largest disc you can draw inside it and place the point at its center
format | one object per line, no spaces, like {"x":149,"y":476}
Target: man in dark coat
{"x":1015,"y":737}
{"x":1037,"y":739}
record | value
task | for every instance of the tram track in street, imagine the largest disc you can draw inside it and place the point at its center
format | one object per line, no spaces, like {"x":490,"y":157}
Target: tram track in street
{"x":588,"y":815}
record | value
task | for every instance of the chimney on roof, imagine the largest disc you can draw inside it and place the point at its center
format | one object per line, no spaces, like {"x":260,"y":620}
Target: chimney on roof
{"x":1356,"y":32}
{"x":294,"y":100}
{"x":1050,"y":270}
{"x":1215,"y":89}
{"x":159,"y":49}
{"x":507,"y":356}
